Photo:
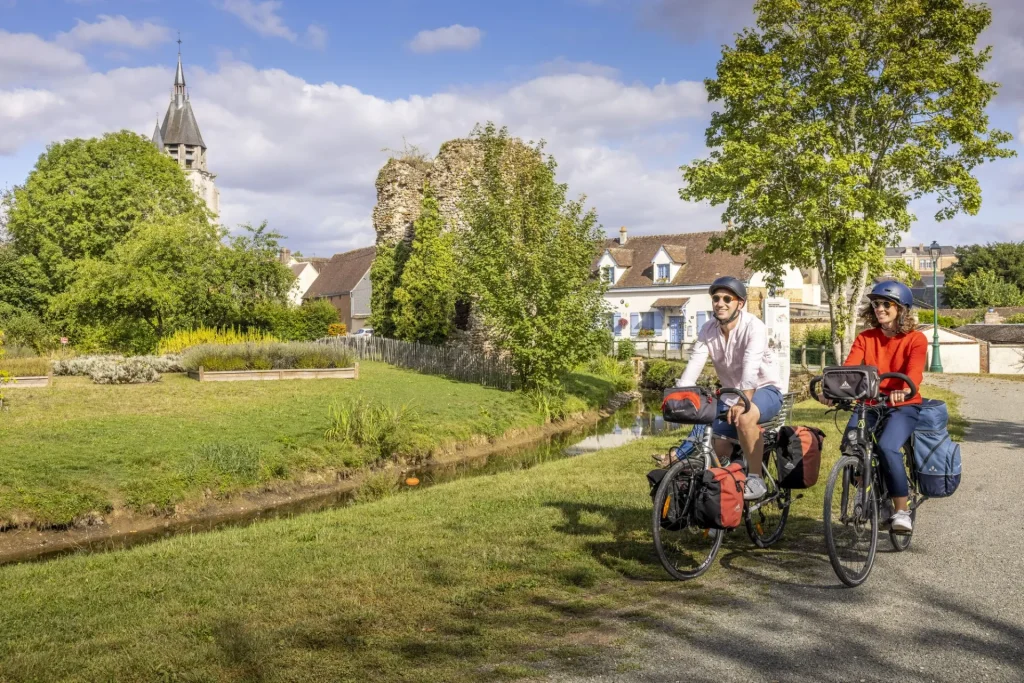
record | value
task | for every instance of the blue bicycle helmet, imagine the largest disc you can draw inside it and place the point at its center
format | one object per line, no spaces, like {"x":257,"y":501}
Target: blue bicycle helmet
{"x":893,"y":291}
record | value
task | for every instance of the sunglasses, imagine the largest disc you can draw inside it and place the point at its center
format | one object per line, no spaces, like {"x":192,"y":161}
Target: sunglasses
{"x":722,"y":297}
{"x":882,"y":304}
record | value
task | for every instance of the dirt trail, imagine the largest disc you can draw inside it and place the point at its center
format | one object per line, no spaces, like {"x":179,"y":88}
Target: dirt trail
{"x":950,"y":609}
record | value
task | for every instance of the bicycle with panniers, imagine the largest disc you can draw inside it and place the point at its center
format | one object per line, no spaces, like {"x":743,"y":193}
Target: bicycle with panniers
{"x":698,"y":499}
{"x":856,"y":490}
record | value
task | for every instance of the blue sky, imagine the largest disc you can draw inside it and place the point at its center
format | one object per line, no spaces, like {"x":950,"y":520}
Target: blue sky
{"x":296,"y":99}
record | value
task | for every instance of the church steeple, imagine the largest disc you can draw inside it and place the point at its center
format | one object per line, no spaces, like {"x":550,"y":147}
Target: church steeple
{"x":178,"y":136}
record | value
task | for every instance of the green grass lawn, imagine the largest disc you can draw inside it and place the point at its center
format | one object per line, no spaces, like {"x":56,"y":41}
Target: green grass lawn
{"x":78,"y":447}
{"x":489,"y":578}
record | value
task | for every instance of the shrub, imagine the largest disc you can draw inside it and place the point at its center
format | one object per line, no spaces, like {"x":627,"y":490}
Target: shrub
{"x":661,"y":374}
{"x":185,"y":339}
{"x":307,"y":322}
{"x":129,"y":371}
{"x":381,"y":429}
{"x":1013,"y":319}
{"x":26,"y":329}
{"x":813,"y":337}
{"x":337,"y":330}
{"x":619,"y":372}
{"x":266,"y":356}
{"x":87,"y":366}
{"x":626,"y":350}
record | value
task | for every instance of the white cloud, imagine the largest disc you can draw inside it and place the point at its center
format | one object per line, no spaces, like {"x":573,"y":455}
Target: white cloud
{"x":261,"y":17}
{"x":305,"y":155}
{"x":117,"y":30}
{"x":316,"y":36}
{"x":25,"y":58}
{"x":561,"y":65}
{"x":454,"y":37}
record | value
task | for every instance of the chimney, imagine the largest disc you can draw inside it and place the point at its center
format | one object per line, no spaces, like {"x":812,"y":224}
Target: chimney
{"x":992,"y":317}
{"x":622,"y":235}
{"x":285,"y":256}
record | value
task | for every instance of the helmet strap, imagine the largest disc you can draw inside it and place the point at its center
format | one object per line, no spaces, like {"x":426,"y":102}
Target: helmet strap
{"x":736,"y":313}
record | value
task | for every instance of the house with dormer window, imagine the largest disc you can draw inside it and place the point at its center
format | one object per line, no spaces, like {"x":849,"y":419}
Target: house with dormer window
{"x":658,"y":285}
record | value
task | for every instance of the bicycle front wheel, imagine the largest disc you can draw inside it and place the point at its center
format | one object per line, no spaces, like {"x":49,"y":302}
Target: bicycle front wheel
{"x":851,"y":521}
{"x":766,"y":518}
{"x":685,"y":551}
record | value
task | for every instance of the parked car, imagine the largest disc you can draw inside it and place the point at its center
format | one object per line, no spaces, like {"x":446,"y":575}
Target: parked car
{"x":363,"y":332}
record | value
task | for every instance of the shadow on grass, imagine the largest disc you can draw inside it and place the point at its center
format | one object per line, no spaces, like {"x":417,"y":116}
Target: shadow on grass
{"x":594,"y":390}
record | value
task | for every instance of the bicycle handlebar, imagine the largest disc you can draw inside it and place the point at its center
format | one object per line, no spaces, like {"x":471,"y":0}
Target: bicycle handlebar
{"x":899,"y":375}
{"x":737,"y":392}
{"x":885,"y":375}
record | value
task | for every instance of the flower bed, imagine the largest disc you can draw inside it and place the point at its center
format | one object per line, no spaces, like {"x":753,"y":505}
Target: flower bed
{"x":295,"y":360}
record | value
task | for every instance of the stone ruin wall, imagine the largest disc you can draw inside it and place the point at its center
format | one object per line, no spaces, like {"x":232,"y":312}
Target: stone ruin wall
{"x":400,"y":193}
{"x":400,"y":189}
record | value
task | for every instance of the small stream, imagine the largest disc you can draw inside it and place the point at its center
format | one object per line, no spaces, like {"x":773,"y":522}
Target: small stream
{"x":628,"y":424}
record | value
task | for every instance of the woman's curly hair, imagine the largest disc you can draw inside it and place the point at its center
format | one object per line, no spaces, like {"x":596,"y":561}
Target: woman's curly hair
{"x":906,"y":319}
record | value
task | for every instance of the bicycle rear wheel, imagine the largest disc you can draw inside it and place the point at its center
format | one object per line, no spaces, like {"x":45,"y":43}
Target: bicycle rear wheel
{"x":901,"y":542}
{"x":685,"y":552}
{"x":851,"y":526}
{"x":766,"y":518}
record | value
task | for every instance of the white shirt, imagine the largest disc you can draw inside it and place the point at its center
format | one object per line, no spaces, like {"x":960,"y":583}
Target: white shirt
{"x":743,"y":362}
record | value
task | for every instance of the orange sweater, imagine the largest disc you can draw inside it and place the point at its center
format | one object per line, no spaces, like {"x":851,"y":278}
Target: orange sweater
{"x":903,"y":353}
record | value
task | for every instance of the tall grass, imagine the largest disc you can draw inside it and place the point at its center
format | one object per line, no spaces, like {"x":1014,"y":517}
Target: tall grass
{"x":382,"y":429}
{"x":186,"y":339}
{"x":267,"y":356}
{"x":619,"y":372}
{"x":25,"y":367}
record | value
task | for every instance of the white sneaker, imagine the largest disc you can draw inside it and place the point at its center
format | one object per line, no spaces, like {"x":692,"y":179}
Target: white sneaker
{"x":755,"y":488}
{"x":901,"y":522}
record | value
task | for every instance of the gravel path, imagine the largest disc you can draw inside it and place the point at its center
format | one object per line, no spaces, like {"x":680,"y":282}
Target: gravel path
{"x":950,"y":609}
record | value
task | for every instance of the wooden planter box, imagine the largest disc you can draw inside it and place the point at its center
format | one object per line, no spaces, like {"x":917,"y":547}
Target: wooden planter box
{"x":29,"y":382}
{"x":254,"y":375}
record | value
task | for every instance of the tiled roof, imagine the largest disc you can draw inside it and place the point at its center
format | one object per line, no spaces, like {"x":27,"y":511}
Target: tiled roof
{"x":297,"y":268}
{"x":342,"y":273}
{"x":919,"y":250}
{"x":676,"y":253}
{"x":622,"y":257}
{"x":699,"y":268}
{"x":670,"y":302}
{"x":997,"y":334}
{"x":179,"y":126}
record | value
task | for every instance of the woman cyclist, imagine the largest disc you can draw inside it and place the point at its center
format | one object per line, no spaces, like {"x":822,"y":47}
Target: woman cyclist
{"x":892,"y":344}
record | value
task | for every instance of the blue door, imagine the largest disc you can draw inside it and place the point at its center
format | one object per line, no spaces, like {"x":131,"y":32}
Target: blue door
{"x":702,"y":318}
{"x":675,"y":331}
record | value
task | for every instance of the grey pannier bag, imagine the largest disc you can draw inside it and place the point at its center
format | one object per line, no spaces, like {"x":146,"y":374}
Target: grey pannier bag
{"x":850,"y":382}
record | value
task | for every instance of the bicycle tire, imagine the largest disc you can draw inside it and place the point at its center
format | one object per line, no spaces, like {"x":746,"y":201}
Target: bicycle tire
{"x":848,"y":577}
{"x":761,"y":535}
{"x":667,"y":485}
{"x":901,"y":542}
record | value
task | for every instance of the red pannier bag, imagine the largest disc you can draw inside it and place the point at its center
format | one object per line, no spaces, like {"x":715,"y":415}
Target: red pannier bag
{"x":689,"y":405}
{"x":719,"y":503}
{"x":798,"y":450}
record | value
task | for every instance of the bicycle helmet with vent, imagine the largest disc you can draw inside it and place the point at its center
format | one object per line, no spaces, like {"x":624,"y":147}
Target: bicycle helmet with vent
{"x":894,"y":291}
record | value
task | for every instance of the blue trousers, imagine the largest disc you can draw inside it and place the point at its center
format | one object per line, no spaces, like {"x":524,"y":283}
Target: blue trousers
{"x":899,"y":425}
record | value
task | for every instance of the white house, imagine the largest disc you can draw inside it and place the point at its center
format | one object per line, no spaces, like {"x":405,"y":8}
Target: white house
{"x":659,"y":285}
{"x":305,"y":270}
{"x":345,"y":282}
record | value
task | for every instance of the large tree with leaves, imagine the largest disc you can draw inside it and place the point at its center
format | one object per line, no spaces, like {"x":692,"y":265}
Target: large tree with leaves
{"x":1005,"y":259}
{"x":834,"y":116}
{"x":84,"y":196}
{"x":528,"y":254}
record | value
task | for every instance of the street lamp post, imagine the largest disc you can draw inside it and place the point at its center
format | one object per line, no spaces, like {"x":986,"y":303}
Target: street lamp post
{"x":935,"y":250}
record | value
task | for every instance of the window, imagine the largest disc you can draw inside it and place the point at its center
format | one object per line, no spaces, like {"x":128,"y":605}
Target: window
{"x":663,"y":271}
{"x":909,"y":261}
{"x":926,"y":264}
{"x":608,"y":274}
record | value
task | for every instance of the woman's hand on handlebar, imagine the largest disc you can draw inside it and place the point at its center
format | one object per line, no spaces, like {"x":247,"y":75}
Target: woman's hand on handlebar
{"x":897,"y":396}
{"x":825,"y":401}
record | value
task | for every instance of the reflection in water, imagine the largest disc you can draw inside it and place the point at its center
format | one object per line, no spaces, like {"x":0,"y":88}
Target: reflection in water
{"x":628,"y":424}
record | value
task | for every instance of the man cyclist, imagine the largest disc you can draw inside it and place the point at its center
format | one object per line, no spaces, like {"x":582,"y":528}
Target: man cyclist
{"x":737,"y":342}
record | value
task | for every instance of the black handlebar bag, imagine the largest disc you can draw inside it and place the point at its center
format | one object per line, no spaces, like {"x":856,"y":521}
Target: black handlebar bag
{"x":689,"y":405}
{"x":850,"y":382}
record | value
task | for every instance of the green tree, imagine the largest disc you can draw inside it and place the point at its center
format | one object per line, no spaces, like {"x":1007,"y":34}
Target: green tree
{"x":253,"y":275}
{"x":23,"y":284}
{"x":835,"y":115}
{"x":981,"y":288}
{"x":163,"y":277}
{"x":84,"y":196}
{"x":528,"y":253}
{"x":385,"y":276}
{"x":1005,"y":259}
{"x":424,"y":301}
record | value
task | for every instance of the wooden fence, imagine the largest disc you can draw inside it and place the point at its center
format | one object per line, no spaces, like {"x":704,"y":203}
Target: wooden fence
{"x":454,"y":362}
